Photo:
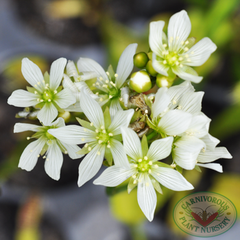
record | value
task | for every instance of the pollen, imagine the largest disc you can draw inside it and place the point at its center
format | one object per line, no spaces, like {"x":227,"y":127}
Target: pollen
{"x":98,"y":153}
{"x":115,"y":75}
{"x":89,"y":148}
{"x":140,"y":160}
{"x":82,"y":139}
{"x":147,"y":184}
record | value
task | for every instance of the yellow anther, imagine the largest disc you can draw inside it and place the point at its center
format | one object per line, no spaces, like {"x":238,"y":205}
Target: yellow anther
{"x":165,"y":62}
{"x":98,"y":153}
{"x":186,"y":49}
{"x":147,"y":184}
{"x":145,"y":158}
{"x":139,"y":160}
{"x":83,"y":139}
{"x":89,"y":148}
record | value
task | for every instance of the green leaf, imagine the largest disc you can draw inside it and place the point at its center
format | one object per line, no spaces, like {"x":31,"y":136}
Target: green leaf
{"x":144,"y":144}
{"x":107,"y":117}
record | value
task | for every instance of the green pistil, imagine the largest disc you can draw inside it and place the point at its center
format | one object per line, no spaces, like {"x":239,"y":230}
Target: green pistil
{"x":47,"y":96}
{"x":143,"y":165}
{"x":49,"y":136}
{"x":103,"y":137}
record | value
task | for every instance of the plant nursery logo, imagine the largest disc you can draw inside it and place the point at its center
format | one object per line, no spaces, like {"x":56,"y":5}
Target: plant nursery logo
{"x":204,"y":214}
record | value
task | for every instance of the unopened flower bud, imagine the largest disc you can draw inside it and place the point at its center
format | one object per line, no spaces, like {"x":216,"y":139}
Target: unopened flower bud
{"x":150,"y":69}
{"x":140,"y":81}
{"x":140,"y":59}
{"x":165,"y":81}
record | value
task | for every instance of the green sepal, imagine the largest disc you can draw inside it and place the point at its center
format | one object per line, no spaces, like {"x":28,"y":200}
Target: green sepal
{"x":191,"y":41}
{"x":31,"y":89}
{"x":179,"y":169}
{"x":151,"y":124}
{"x":198,"y":168}
{"x":46,"y":77}
{"x":161,"y":164}
{"x":118,"y":137}
{"x":111,"y":72}
{"x":63,"y":149}
{"x":108,"y":156}
{"x":147,"y":101}
{"x":40,"y":105}
{"x":83,"y":151}
{"x":156,"y":185}
{"x":44,"y":149}
{"x":37,"y":135}
{"x":131,"y":185}
{"x":144,"y":144}
{"x":136,"y":116}
{"x":85,"y":124}
{"x":111,"y":191}
{"x":107,"y":117}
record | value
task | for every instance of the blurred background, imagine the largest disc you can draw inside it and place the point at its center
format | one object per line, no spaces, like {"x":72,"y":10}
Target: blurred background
{"x":35,"y":207}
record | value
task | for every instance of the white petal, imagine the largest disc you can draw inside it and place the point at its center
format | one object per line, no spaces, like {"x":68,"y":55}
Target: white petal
{"x":179,"y":28}
{"x":159,"y":66}
{"x":32,"y":73}
{"x":72,"y":150}
{"x":131,"y":143}
{"x":161,"y":102}
{"x":56,"y":72}
{"x":22,"y":127}
{"x":71,"y":69}
{"x":22,"y":98}
{"x":200,"y":52}
{"x":191,"y":102}
{"x":53,"y":161}
{"x":30,"y":154}
{"x":121,"y":119}
{"x":210,"y":141}
{"x":91,"y":164}
{"x":67,"y":83}
{"x":147,"y":198}
{"x":212,"y":155}
{"x":186,"y":151}
{"x":118,"y":153}
{"x":89,"y":65}
{"x":175,"y":122}
{"x":187,"y":73}
{"x":155,"y":37}
{"x":160,"y":149}
{"x":214,"y":166}
{"x":114,"y":107}
{"x":178,"y":91}
{"x":73,"y":134}
{"x":199,"y":126}
{"x":171,"y":179}
{"x":92,"y":110}
{"x":58,"y":123}
{"x":125,"y":64}
{"x":74,"y":108}
{"x":65,"y":98}
{"x":47,"y":114}
{"x":113,"y":176}
{"x":125,"y":95}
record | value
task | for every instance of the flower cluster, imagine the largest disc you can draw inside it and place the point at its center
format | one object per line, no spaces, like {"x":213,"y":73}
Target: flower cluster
{"x":142,"y":126}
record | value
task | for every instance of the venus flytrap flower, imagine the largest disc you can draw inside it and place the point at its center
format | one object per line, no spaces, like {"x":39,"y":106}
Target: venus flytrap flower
{"x":165,"y":121}
{"x":45,"y":93}
{"x":100,"y":136}
{"x":144,"y":170}
{"x":176,"y":53}
{"x":45,"y":144}
{"x":108,"y":83}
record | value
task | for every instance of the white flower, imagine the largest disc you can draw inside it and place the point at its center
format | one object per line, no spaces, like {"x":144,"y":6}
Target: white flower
{"x":45,"y":144}
{"x":100,"y":137}
{"x":77,"y":85}
{"x":45,"y":93}
{"x":108,"y":83}
{"x":176,"y":52}
{"x":168,"y":122}
{"x":145,"y":171}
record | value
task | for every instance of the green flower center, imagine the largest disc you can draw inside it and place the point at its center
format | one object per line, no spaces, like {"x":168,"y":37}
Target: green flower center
{"x":47,"y":96}
{"x":49,"y":136}
{"x":143,"y":165}
{"x":103,"y":136}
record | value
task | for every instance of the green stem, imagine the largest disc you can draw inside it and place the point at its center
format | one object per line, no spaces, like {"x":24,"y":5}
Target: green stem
{"x":151,"y":135}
